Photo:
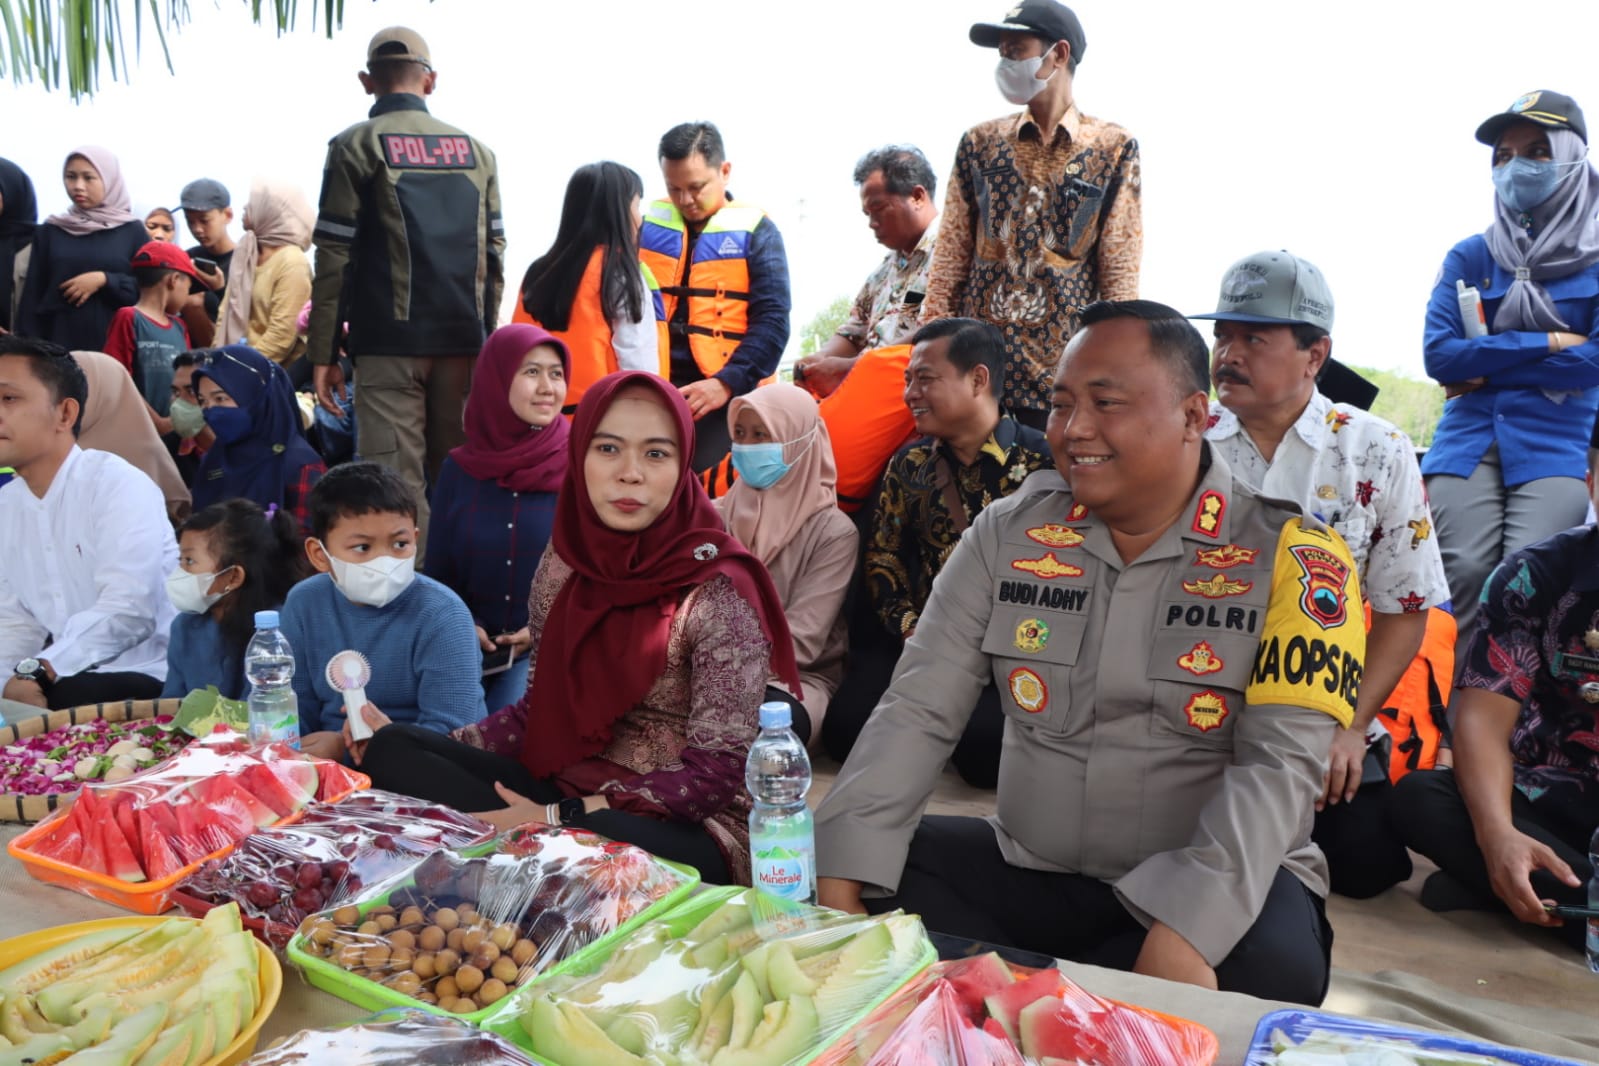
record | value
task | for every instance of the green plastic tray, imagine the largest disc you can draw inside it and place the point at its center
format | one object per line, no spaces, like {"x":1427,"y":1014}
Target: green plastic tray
{"x":332,"y":978}
{"x":504,"y":1017}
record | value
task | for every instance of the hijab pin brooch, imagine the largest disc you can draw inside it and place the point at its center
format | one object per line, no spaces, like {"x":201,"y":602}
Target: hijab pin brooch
{"x":706,"y":552}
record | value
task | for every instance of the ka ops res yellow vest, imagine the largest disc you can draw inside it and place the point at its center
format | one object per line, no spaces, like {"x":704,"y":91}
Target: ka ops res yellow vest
{"x":716,"y":284}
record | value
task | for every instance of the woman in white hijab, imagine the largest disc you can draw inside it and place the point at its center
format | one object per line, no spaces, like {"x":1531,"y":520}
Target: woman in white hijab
{"x":270,"y":277}
{"x":1507,"y":464}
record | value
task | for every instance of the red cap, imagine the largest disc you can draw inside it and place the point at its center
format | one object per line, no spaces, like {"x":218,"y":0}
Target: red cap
{"x":163,"y":254}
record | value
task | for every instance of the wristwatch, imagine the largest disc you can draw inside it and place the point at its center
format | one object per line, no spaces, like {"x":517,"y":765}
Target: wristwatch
{"x":571,"y":810}
{"x":32,"y":670}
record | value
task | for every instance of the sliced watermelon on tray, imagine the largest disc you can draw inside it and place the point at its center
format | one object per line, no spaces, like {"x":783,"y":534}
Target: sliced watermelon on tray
{"x":160,"y":861}
{"x":118,"y":853}
{"x":225,"y":791}
{"x":259,"y":780}
{"x":121,"y":804}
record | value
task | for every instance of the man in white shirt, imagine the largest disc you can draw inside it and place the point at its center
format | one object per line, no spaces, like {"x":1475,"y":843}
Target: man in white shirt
{"x":84,"y":611}
{"x":1358,"y":473}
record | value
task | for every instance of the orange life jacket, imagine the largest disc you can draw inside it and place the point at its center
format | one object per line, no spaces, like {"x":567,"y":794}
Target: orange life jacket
{"x":588,"y":331}
{"x":716,"y":284}
{"x":1413,"y":714}
{"x":867,"y":418}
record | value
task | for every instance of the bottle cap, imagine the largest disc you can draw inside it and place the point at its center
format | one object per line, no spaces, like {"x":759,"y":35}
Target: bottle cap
{"x":776,"y":716}
{"x":266,"y":619}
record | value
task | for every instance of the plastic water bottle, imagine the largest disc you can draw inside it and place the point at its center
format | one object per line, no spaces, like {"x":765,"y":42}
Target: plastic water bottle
{"x":269,"y":666}
{"x":782,"y":836}
{"x":1471,"y":311}
{"x":1593,"y":901}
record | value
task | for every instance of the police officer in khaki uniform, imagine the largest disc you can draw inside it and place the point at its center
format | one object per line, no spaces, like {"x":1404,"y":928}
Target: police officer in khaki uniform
{"x":1173,"y":653}
{"x":410,"y":253}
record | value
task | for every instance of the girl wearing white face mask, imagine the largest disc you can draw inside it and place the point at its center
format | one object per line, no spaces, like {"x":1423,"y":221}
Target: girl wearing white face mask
{"x":1506,"y":467}
{"x":233,"y":560}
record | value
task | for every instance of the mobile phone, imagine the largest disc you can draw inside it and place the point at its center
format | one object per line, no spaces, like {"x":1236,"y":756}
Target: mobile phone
{"x":207,"y":265}
{"x":498,"y":661}
{"x":1567,"y":910}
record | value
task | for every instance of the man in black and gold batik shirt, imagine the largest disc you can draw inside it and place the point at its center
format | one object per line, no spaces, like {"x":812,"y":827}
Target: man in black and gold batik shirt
{"x":972,"y":454}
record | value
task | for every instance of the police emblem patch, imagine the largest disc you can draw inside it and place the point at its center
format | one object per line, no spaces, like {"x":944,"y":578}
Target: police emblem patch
{"x":1207,"y":516}
{"x":1216,"y":586}
{"x":1028,"y":690}
{"x":1201,"y":660}
{"x":1323,"y":578}
{"x":1206,"y":710}
{"x":1055,"y":535}
{"x":1032,"y":634}
{"x":1047,"y":567}
{"x":1225,"y":557}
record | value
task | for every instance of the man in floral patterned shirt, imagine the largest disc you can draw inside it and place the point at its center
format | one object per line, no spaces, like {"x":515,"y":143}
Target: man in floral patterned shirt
{"x":1513,"y":818}
{"x":971,"y":455}
{"x":1357,"y":472}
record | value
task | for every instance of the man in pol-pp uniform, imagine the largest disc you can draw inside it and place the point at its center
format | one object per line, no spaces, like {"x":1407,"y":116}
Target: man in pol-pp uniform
{"x":1173,"y":653}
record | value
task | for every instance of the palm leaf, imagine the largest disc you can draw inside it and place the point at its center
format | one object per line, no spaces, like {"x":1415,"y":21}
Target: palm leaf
{"x":44,"y":38}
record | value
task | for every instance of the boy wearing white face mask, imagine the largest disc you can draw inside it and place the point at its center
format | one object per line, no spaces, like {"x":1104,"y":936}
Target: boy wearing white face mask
{"x":234,"y":559}
{"x":1041,"y":213}
{"x":367,"y":597}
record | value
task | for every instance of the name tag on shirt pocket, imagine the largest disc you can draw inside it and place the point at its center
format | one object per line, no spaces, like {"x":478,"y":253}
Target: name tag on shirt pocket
{"x":1033,"y":654}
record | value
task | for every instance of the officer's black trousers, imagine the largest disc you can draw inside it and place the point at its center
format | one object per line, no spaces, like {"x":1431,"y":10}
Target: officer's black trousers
{"x":957,"y":880}
{"x":1433,"y":819}
{"x":1365,"y":855}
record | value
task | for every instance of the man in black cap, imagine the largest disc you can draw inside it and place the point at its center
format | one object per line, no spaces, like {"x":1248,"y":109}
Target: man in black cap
{"x":1042,"y":216}
{"x":207,"y":210}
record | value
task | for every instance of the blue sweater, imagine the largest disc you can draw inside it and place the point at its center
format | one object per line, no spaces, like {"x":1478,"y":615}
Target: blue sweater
{"x":199,"y":655}
{"x":1538,"y":436}
{"x":426,"y":666}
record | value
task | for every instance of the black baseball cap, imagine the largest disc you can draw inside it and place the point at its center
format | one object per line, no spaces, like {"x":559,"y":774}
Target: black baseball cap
{"x":1048,"y":19}
{"x":1553,"y":110}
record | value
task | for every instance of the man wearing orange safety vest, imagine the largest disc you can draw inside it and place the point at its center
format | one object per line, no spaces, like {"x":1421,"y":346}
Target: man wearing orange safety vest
{"x":724,"y":283}
{"x":858,"y":374}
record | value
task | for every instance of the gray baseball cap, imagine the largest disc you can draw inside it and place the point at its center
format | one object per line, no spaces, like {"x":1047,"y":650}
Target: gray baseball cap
{"x":204,"y":194}
{"x":1275,"y":288}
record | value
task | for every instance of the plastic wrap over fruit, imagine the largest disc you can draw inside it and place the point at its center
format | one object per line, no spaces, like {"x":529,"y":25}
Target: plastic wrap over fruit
{"x":984,"y":1012}
{"x":394,"y":1038}
{"x":151,"y":826}
{"x":724,"y":980}
{"x":461,"y":932}
{"x":280,"y":875}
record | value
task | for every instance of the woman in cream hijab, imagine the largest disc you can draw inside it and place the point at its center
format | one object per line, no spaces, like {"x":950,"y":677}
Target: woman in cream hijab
{"x":116,"y":420}
{"x":270,"y":277}
{"x":784,"y":509}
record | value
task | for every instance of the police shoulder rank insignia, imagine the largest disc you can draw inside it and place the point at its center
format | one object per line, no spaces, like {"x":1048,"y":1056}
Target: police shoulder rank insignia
{"x":1201,"y":660}
{"x":1206,"y":710}
{"x":1028,"y":690}
{"x":1055,"y":535}
{"x":1313,"y":646}
{"x":1047,"y":567}
{"x":1032,"y":634}
{"x":1077,"y":513}
{"x":1216,"y":586}
{"x":1225,"y":557}
{"x":1207,"y":515}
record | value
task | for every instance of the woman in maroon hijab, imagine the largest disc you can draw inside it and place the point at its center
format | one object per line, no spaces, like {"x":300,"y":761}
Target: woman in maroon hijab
{"x":653,"y":633}
{"x":494,"y":501}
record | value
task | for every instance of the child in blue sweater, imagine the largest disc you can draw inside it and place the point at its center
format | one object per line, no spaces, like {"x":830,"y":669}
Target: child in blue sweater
{"x":234,"y":559}
{"x":367,"y":597}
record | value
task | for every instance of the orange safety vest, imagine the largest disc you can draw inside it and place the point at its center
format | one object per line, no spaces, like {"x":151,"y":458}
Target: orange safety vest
{"x":1413,"y":714}
{"x":716,"y":284}
{"x":588,"y":331}
{"x":867,"y":418}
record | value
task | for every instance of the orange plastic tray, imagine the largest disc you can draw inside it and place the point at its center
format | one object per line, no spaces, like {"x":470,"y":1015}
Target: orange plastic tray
{"x":141,"y":897}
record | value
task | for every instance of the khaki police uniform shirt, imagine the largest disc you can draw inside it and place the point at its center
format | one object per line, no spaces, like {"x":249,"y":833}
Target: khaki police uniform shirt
{"x":1135,"y":750}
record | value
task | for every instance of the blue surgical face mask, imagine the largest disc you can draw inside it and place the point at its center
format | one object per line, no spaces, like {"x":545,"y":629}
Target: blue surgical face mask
{"x":1523,"y":184}
{"x":230,"y":424}
{"x":760,"y":466}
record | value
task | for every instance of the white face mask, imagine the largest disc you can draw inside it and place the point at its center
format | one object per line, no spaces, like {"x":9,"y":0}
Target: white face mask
{"x":1018,"y":79}
{"x":375,"y":583}
{"x":188,"y":591}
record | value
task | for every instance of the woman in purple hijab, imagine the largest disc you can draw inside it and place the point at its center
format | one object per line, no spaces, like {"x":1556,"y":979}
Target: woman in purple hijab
{"x":494,"y":501}
{"x":1522,"y":377}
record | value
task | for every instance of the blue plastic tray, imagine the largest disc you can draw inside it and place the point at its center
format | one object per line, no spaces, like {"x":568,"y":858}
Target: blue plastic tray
{"x":1299,"y":1023}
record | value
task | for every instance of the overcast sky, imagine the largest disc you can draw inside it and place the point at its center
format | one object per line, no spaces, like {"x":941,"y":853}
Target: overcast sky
{"x":1342,"y":132}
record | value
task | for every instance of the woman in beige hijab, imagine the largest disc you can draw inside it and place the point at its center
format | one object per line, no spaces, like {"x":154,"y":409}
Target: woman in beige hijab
{"x":269,"y":279}
{"x":784,"y":509}
{"x":115,"y":420}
